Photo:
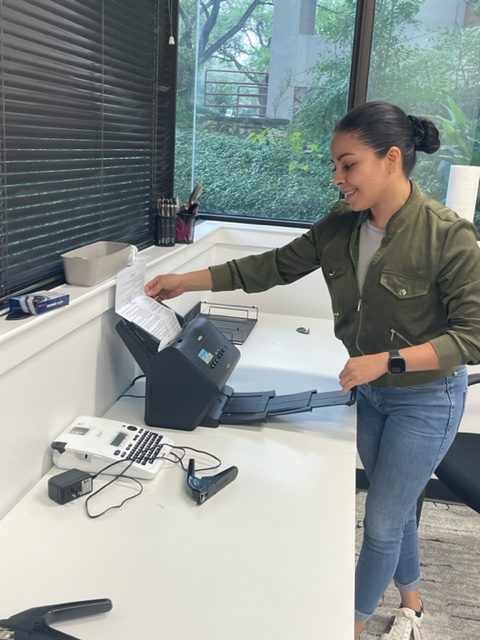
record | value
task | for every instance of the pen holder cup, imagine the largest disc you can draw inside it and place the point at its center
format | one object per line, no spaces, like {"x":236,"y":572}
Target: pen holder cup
{"x":165,"y":230}
{"x":185,"y":229}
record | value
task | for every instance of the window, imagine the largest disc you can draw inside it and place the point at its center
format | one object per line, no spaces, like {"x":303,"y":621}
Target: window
{"x":425,"y":58}
{"x":262,"y":83}
{"x":260,"y":86}
{"x":85,"y":134}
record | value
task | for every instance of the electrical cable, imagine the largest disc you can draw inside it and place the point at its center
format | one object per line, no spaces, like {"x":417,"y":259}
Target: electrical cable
{"x":127,"y":395}
{"x":200,"y":451}
{"x":177,"y":459}
{"x":110,"y":482}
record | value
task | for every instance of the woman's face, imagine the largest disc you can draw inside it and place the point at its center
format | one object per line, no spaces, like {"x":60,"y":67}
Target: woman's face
{"x":364,"y":179}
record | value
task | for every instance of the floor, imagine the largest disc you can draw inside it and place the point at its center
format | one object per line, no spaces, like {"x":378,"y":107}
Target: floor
{"x":450,"y":548}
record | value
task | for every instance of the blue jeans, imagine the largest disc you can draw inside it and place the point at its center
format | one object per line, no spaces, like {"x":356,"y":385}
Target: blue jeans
{"x":402,"y":435}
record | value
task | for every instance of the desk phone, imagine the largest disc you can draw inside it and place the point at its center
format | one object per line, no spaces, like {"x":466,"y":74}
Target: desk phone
{"x":90,"y":444}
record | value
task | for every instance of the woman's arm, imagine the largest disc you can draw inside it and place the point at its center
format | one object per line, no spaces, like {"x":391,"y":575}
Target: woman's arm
{"x":363,"y":369}
{"x":253,"y":273}
{"x":458,"y":285}
{"x":170,"y":285}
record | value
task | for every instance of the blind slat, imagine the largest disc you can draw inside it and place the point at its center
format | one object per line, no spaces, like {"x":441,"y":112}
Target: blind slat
{"x":79,"y":139}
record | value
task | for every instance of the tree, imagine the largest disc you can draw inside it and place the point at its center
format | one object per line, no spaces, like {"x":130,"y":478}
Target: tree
{"x":234,"y":34}
{"x":221,"y":22}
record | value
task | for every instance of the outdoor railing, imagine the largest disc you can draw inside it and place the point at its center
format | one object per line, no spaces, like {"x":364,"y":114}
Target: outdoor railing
{"x":236,"y":93}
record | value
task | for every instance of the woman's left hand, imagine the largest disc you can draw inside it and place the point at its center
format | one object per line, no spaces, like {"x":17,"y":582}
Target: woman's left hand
{"x":362,"y":369}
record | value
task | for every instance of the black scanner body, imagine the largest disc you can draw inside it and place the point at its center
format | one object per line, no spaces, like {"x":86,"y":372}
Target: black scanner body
{"x":185,"y":380}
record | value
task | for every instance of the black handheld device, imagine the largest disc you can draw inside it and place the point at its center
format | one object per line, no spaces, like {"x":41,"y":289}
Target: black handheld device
{"x":34,"y":624}
{"x":203,"y":488}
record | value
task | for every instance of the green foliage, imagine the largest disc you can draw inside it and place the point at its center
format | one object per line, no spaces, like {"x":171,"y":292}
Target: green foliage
{"x":254,"y":176}
{"x":323,"y":106}
{"x":457,"y":134}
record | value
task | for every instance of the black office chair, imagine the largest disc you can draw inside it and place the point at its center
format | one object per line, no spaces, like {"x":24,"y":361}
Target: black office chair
{"x":460,"y":469}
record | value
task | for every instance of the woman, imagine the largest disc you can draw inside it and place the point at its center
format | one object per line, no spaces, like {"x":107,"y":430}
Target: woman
{"x":403,"y":273}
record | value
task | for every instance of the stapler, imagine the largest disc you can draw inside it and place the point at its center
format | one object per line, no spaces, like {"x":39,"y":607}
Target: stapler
{"x":33,"y":624}
{"x":203,"y":488}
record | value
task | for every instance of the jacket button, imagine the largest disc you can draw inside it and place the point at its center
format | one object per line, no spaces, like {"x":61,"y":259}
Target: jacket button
{"x":402,"y":292}
{"x":331,"y":273}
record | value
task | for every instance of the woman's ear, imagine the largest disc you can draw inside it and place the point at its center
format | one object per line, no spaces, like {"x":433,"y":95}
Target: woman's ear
{"x":394,"y":159}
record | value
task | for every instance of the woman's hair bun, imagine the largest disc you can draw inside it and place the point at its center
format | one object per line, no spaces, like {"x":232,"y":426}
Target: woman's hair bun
{"x":425,"y":134}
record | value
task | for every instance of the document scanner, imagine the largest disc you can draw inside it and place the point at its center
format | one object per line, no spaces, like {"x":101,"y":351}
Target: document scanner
{"x":186,"y":381}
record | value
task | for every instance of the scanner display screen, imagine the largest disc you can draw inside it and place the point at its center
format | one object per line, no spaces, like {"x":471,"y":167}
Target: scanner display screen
{"x":205,"y":355}
{"x":117,"y":441}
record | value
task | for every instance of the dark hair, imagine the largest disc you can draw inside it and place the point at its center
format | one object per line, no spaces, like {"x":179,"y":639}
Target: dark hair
{"x":381,"y":125}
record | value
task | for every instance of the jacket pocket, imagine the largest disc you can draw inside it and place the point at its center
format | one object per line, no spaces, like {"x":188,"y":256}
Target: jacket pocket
{"x":403,"y":286}
{"x":336,"y":282}
{"x":340,"y":285}
{"x":408,"y":304}
{"x":333,"y":272}
{"x":398,"y":340}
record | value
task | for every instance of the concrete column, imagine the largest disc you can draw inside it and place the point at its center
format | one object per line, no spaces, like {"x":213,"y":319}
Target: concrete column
{"x":290,"y":19}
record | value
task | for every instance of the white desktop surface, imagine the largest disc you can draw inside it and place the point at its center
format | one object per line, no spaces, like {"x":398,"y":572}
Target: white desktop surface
{"x":270,"y":557}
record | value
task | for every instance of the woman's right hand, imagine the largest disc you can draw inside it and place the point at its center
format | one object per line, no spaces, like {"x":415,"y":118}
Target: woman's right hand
{"x":166,"y":286}
{"x":172,"y":285}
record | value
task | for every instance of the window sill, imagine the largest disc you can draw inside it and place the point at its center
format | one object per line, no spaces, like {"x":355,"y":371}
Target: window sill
{"x":21,"y":339}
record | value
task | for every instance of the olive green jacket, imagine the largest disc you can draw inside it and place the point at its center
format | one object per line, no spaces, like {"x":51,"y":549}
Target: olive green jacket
{"x":422,"y":285}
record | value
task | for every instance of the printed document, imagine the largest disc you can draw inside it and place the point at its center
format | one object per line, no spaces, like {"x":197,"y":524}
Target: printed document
{"x":132,"y":304}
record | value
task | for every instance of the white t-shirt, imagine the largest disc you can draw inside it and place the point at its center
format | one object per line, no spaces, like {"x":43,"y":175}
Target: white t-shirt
{"x":370,"y":240}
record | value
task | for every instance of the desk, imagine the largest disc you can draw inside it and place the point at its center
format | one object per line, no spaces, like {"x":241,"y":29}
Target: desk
{"x":270,"y":557}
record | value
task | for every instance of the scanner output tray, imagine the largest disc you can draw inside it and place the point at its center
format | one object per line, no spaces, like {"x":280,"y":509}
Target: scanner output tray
{"x":258,"y":406}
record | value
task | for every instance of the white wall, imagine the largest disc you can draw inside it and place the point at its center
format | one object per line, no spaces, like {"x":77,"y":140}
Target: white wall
{"x":80,"y":373}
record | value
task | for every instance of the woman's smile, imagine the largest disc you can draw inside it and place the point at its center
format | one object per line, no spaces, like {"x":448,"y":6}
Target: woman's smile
{"x":348,"y":193}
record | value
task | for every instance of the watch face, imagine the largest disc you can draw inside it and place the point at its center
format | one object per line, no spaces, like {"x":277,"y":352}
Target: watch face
{"x":396,"y":364}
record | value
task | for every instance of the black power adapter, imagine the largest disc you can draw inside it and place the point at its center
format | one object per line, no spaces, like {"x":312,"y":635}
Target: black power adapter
{"x":69,"y":485}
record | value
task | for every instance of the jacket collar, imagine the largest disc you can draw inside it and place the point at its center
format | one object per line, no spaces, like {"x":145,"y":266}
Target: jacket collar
{"x":408,"y":210}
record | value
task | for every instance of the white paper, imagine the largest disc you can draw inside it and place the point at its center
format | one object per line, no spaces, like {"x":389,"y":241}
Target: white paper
{"x":130,"y":283}
{"x":462,"y":191}
{"x":132,"y":304}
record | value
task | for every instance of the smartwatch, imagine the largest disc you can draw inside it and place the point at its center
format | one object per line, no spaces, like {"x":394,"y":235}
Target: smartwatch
{"x":396,"y":364}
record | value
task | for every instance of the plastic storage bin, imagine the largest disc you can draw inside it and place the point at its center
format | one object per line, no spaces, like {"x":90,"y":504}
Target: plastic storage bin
{"x":95,"y":262}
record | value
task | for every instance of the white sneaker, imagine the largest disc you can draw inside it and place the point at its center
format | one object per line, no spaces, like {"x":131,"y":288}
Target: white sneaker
{"x":405,"y":626}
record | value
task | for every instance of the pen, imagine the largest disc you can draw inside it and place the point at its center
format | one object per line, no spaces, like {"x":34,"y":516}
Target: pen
{"x":192,"y":201}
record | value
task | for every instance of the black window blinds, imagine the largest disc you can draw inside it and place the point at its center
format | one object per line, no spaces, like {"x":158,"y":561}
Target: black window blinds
{"x":86,"y":128}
